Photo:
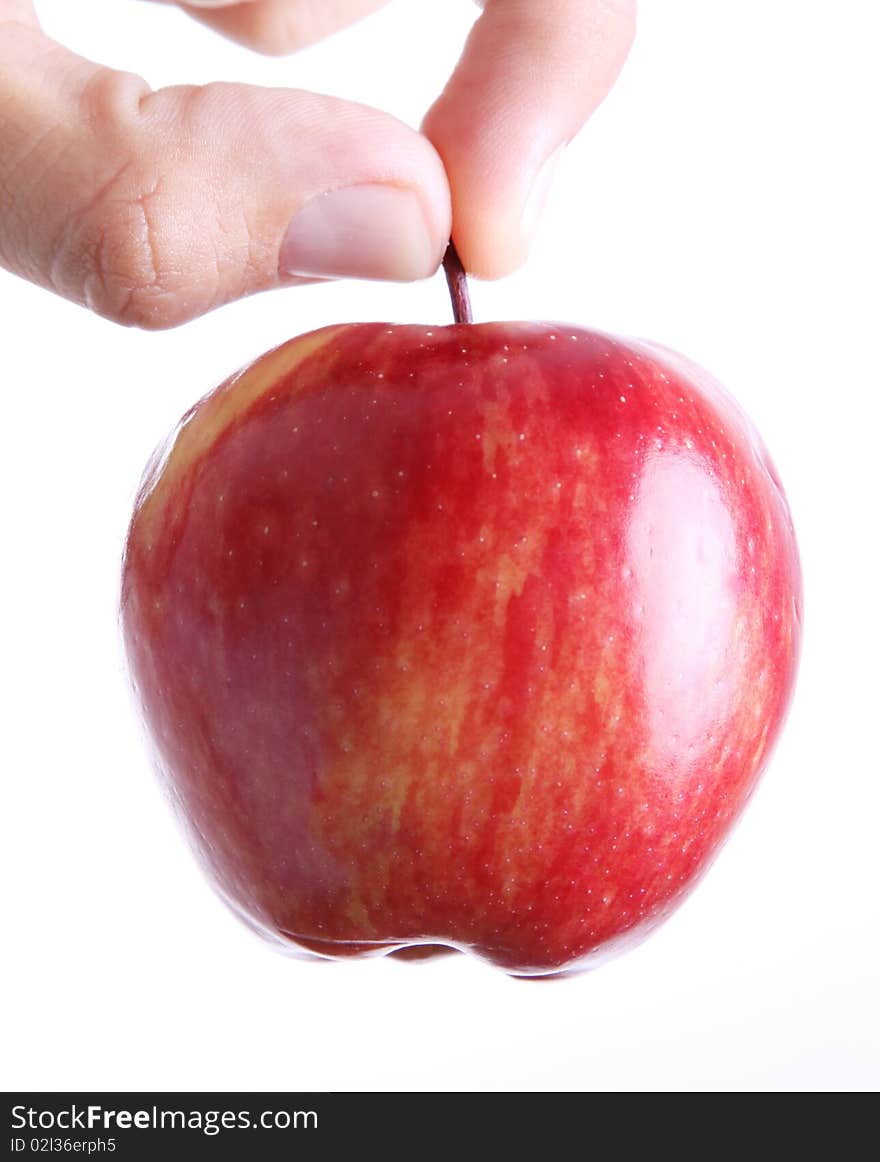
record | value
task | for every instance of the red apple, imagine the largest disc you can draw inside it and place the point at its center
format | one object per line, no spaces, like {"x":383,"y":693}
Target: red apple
{"x":475,"y":636}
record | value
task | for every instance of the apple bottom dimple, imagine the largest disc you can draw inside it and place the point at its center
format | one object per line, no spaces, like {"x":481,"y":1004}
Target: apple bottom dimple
{"x":545,"y":905}
{"x":527,"y":958}
{"x":530,"y":868}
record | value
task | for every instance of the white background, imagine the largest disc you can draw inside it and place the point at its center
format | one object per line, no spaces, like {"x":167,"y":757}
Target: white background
{"x":724,"y":201}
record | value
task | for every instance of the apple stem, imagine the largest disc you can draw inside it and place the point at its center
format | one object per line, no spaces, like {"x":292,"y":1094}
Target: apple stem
{"x":458,"y":287}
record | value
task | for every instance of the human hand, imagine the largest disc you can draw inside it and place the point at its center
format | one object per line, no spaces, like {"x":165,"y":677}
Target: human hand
{"x":152,"y":207}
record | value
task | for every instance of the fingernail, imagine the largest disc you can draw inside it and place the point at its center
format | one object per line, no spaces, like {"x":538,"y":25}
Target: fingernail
{"x":537,"y":199}
{"x":368,"y":231}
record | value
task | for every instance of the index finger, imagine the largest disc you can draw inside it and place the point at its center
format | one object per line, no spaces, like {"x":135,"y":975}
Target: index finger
{"x":531,"y":74}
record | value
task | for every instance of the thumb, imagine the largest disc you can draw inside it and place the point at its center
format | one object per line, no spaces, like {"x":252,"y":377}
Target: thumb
{"x":154,"y":207}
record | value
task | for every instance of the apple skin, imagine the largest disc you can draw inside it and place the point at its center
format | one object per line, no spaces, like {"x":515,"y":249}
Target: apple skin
{"x":475,"y":636}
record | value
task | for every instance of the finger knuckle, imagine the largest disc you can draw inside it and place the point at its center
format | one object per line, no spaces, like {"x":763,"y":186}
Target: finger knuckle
{"x":110,"y":101}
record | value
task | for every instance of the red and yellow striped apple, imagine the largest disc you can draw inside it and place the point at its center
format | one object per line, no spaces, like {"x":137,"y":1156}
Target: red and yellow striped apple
{"x":475,"y":636}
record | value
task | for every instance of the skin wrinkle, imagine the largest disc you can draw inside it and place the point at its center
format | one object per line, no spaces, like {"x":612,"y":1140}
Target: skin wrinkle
{"x":151,"y":285}
{"x":122,"y":272}
{"x":61,"y":247}
{"x":22,"y":225}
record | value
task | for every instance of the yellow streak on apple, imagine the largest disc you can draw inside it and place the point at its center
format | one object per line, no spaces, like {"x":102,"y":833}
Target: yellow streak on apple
{"x":206,"y":422}
{"x":418,"y":706}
